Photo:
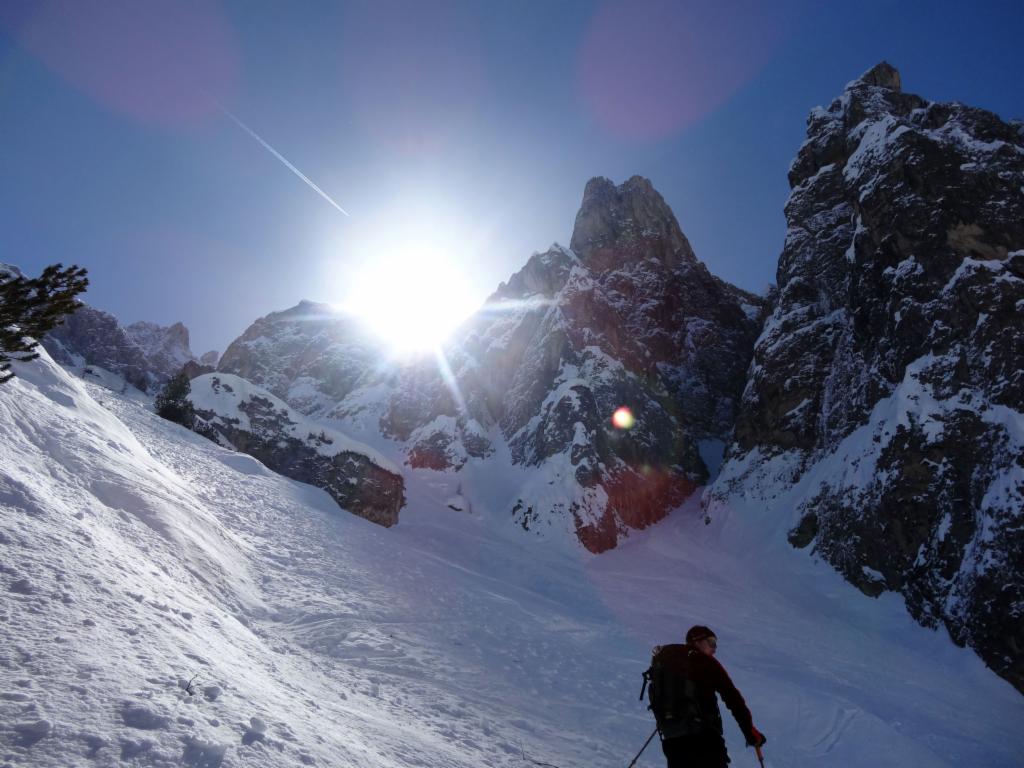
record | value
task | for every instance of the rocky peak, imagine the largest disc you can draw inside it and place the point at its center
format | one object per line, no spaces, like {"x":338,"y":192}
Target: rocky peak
{"x":144,"y":354}
{"x":628,"y":222}
{"x":166,"y":348}
{"x":834,"y":133}
{"x":210,"y":358}
{"x":154,"y":338}
{"x":628,"y":317}
{"x":882,"y":75}
{"x":544,"y":275}
{"x":631,"y":319}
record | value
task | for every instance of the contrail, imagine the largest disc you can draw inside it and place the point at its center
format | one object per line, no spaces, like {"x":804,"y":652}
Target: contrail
{"x":281,"y":157}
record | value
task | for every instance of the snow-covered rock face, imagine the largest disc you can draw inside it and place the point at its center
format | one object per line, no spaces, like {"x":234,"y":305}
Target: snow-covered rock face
{"x":144,"y":354}
{"x":244,"y":417}
{"x":895,"y":358}
{"x":311,"y":356}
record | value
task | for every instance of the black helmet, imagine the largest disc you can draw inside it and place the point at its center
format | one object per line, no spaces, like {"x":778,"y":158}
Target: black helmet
{"x":698,"y":633}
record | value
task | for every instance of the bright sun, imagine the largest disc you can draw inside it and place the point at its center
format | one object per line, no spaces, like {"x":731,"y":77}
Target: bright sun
{"x":412,"y":298}
{"x":410,"y":284}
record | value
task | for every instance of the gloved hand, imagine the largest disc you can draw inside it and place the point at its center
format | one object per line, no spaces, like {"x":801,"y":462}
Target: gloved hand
{"x":755,"y":738}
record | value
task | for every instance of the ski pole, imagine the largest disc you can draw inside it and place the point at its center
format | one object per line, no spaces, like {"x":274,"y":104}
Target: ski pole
{"x":642,"y":749}
{"x":760,"y":757}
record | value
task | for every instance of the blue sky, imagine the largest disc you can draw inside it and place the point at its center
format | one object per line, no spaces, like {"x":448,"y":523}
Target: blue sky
{"x":471,"y":126}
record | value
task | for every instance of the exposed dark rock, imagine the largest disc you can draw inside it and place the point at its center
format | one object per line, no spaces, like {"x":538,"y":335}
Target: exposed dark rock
{"x":166,"y":349}
{"x":146,"y":355}
{"x":629,"y":221}
{"x":92,"y":337}
{"x":193,"y":370}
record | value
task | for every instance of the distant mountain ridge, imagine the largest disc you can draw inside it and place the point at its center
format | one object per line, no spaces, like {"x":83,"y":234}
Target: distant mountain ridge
{"x":144,"y":354}
{"x":310,"y":355}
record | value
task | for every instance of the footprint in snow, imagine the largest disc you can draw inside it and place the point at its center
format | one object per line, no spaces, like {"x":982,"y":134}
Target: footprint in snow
{"x":140,"y":716}
{"x":256,"y":731}
{"x":203,"y":754}
{"x":32,"y":732}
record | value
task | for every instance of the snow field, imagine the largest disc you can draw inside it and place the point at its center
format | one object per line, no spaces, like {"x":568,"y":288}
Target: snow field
{"x":139,"y":562}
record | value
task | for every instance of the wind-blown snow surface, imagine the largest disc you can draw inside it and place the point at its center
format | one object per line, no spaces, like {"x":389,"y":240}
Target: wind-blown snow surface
{"x":139,"y":561}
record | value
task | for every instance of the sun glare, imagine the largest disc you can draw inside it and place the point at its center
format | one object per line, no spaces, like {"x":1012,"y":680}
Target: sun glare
{"x":410,"y":285}
{"x":412,"y":299}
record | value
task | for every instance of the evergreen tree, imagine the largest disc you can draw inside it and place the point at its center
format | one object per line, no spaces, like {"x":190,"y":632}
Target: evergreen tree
{"x":173,"y":404}
{"x":31,"y":307}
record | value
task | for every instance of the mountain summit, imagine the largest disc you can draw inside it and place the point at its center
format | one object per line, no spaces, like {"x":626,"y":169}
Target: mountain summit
{"x":631,"y":220}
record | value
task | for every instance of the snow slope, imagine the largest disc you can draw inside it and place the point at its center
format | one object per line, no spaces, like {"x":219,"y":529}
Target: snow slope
{"x":139,"y":562}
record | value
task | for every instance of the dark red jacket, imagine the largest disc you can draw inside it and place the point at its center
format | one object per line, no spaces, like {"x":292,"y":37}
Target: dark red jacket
{"x":710,"y":678}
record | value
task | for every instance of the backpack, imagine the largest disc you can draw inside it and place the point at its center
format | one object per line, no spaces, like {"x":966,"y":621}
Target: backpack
{"x":672,"y":696}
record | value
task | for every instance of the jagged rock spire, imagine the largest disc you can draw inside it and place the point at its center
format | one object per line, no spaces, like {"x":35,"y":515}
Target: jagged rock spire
{"x":632,"y":219}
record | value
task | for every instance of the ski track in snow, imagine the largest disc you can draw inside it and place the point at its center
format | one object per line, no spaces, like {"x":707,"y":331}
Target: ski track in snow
{"x":139,"y":562}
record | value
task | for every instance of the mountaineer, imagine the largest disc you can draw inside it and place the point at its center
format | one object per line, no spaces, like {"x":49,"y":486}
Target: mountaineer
{"x":683,"y":681}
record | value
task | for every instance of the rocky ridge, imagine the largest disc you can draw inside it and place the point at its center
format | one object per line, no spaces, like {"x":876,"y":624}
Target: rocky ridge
{"x":310,"y":356}
{"x":145,"y":355}
{"x":166,"y":350}
{"x":889,"y":380}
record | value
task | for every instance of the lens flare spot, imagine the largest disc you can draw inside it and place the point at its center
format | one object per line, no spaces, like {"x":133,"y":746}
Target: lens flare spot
{"x":623,"y":418}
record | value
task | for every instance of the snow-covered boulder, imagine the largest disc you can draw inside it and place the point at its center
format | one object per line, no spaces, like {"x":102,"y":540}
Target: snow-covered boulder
{"x":249,"y":419}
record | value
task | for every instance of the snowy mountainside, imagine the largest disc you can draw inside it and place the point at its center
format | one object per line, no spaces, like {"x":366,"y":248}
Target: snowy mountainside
{"x":892,"y":369}
{"x":627,"y":317}
{"x":141,"y":561}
